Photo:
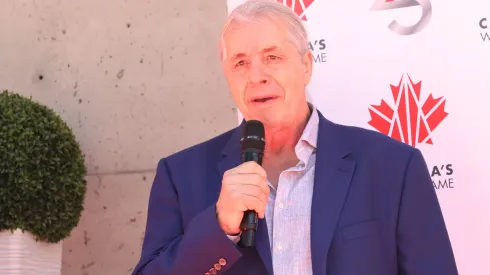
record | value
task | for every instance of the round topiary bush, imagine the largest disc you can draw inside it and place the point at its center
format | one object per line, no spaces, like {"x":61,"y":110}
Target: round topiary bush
{"x":42,"y":171}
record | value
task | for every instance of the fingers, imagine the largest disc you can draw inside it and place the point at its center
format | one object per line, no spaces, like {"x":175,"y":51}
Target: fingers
{"x":256,"y":192}
{"x":248,"y":180}
{"x":243,"y":188}
{"x":249,"y":167}
{"x":253,"y":203}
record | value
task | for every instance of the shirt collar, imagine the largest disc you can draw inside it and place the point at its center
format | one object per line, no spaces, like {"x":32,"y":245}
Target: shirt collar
{"x":307,"y":143}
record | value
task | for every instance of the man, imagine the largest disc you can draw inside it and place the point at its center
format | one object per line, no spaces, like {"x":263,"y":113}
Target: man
{"x":331,"y":199}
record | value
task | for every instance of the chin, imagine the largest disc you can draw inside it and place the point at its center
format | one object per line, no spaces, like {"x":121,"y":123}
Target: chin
{"x":272,"y":117}
{"x":272,"y":121}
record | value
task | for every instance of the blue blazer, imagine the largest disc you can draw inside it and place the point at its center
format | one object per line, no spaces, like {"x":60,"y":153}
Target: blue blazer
{"x":374,"y":211}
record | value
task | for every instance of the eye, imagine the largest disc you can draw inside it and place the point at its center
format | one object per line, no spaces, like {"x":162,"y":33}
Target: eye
{"x":240,"y":63}
{"x":272,"y":57}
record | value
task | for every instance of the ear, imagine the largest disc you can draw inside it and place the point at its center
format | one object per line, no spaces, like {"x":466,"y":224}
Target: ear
{"x":308,"y":65}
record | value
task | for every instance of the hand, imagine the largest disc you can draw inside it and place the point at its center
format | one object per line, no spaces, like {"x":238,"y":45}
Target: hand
{"x":243,"y":188}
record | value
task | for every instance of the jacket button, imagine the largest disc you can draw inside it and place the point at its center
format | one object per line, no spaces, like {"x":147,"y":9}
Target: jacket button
{"x":213,"y":271}
{"x":217,"y":266}
{"x":207,"y":273}
{"x":222,"y":261}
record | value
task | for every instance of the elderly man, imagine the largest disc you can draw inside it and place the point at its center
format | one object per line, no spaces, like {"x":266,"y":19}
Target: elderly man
{"x":331,"y":199}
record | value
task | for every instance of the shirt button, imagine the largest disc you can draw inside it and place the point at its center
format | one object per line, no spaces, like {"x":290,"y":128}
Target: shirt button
{"x":222,"y":261}
{"x":279,"y":247}
{"x":281,"y":205}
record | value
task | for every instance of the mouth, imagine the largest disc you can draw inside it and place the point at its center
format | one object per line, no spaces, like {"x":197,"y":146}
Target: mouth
{"x":265,"y":99}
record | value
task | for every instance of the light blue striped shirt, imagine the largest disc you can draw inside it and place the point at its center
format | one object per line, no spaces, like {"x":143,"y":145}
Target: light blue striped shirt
{"x":288,"y":211}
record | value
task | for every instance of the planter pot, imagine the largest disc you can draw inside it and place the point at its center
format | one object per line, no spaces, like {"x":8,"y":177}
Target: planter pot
{"x":20,"y":254}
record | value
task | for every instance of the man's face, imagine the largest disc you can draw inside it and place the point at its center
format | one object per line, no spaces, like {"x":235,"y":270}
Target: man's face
{"x":266,"y":74}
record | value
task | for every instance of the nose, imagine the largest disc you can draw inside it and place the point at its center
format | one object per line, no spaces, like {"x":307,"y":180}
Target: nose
{"x":257,"y":73}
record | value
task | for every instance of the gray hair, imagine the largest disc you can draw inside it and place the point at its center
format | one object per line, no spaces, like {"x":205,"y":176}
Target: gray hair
{"x":252,"y":9}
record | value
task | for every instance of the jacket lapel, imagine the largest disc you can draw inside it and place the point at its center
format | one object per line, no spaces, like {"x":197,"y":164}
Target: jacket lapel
{"x":333,"y":174}
{"x":230,"y":154}
{"x":232,"y":158}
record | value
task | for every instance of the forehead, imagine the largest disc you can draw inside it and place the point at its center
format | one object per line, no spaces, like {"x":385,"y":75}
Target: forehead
{"x":249,"y":37}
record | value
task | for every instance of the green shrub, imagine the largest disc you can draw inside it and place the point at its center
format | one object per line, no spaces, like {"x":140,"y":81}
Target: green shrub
{"x":42,"y":171}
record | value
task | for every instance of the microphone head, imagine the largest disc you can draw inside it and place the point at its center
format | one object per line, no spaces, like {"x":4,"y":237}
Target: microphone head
{"x":253,"y":136}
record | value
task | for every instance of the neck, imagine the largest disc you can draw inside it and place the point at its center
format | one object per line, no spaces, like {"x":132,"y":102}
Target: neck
{"x":282,"y":140}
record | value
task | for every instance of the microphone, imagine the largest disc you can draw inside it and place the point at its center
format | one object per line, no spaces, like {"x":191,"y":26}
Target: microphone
{"x":252,"y":145}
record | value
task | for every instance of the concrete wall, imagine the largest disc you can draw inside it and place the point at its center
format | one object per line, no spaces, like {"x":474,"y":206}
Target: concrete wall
{"x":137,"y":81}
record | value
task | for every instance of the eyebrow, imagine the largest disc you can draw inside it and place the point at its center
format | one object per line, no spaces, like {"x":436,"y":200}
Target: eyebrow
{"x":269,"y":49}
{"x":266,"y":50}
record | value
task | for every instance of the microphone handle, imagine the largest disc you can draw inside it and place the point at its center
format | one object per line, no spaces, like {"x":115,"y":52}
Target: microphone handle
{"x":249,"y":222}
{"x":248,"y":227}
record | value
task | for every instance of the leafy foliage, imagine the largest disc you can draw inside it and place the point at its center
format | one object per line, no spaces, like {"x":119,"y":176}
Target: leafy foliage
{"x":42,"y":171}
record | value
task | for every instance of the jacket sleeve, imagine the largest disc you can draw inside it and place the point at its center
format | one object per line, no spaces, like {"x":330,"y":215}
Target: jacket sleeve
{"x":171,"y":249}
{"x":423,"y":241}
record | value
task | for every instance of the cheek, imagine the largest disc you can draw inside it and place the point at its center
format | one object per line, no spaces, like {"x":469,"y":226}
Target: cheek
{"x":288,"y":80}
{"x":237,"y":86}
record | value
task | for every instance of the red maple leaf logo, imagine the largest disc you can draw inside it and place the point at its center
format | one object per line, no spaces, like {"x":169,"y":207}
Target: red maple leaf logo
{"x":411,"y":120}
{"x":298,"y":6}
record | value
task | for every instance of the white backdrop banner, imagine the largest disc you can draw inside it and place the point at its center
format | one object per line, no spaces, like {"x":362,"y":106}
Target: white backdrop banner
{"x":418,"y":71}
